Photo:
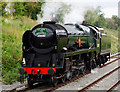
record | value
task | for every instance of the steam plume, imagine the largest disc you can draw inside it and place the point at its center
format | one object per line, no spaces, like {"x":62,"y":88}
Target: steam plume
{"x":76,"y":15}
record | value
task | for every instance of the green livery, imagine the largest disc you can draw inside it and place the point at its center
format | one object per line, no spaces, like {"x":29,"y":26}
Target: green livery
{"x":53,"y":51}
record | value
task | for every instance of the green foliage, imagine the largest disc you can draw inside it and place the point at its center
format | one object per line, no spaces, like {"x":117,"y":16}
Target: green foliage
{"x":19,"y":9}
{"x":30,"y":9}
{"x":110,"y":23}
{"x":2,"y":8}
{"x":95,"y":17}
{"x":117,"y":20}
{"x":0,"y":49}
{"x":90,"y":17}
{"x":113,"y":34}
{"x":113,"y":23}
{"x":101,"y":22}
{"x":12,"y":31}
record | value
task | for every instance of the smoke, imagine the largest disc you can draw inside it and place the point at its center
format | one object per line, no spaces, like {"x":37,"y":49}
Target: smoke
{"x":76,"y":15}
{"x":50,"y":8}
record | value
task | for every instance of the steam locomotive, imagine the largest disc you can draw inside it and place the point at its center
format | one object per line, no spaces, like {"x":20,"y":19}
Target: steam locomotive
{"x":54,"y":52}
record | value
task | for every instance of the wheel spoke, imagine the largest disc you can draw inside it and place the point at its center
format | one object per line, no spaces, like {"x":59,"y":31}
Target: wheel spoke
{"x":54,"y":81}
{"x":69,"y":75}
{"x":63,"y":79}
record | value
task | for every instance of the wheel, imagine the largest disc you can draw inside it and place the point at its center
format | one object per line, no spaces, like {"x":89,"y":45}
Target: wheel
{"x":83,"y":70}
{"x":100,"y":61}
{"x":63,"y":79}
{"x":88,"y":65}
{"x":93,"y":64}
{"x":77,"y":72}
{"x":97,"y":62}
{"x":105,"y":59}
{"x":69,"y":75}
{"x":30,"y":83}
{"x":54,"y":82}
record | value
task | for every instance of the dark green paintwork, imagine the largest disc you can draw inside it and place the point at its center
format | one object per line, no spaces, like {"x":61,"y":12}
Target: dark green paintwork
{"x":73,"y":39}
{"x":62,"y":42}
{"x":79,"y":52}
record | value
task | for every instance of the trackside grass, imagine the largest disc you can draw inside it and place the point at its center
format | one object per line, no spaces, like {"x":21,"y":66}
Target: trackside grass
{"x":12,"y":31}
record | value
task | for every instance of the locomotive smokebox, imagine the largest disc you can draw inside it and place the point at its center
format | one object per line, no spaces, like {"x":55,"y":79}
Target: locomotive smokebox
{"x":42,"y":38}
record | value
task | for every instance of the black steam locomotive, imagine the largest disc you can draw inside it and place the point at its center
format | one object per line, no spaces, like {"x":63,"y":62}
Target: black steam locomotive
{"x":53,"y":52}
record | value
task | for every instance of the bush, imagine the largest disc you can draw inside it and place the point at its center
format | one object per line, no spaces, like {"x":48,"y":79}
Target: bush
{"x":12,"y":31}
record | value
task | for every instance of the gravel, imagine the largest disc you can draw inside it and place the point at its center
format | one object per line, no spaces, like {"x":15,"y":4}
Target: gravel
{"x":86,"y":80}
{"x":106,"y":83}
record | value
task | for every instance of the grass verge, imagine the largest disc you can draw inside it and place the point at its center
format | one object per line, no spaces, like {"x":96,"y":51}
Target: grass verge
{"x":12,"y":31}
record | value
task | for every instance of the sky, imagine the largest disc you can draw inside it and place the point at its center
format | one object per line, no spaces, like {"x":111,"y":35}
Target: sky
{"x":108,"y":7}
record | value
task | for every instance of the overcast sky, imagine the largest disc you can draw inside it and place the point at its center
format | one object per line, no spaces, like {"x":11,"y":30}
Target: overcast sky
{"x":108,"y":7}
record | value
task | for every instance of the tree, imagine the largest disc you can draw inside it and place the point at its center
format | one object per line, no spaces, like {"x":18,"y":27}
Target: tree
{"x":113,"y":23}
{"x":29,"y":9}
{"x":101,"y":22}
{"x":117,"y":20}
{"x":33,"y":8}
{"x":90,"y":17}
{"x":19,"y":9}
{"x":110,"y":23}
{"x":94,"y":17}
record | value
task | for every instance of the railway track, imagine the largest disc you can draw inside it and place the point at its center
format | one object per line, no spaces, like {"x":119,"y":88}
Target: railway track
{"x":114,"y":86}
{"x":90,"y":85}
{"x":98,"y":80}
{"x":63,"y":84}
{"x":110,"y":62}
